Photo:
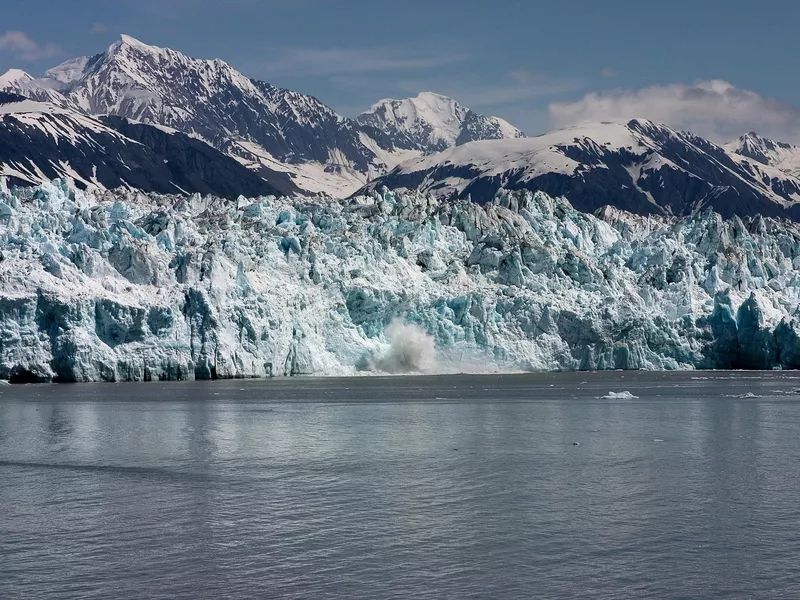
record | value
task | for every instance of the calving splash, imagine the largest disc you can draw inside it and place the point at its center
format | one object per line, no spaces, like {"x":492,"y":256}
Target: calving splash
{"x":411,"y":350}
{"x":131,"y":286}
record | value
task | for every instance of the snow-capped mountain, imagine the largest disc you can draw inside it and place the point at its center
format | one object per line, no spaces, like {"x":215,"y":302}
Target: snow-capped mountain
{"x":431,"y":122}
{"x":780,"y":155}
{"x":637,"y":166}
{"x":265,"y":127}
{"x":40,"y":141}
{"x":16,"y":81}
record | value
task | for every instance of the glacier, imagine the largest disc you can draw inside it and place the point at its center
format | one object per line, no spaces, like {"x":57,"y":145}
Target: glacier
{"x":128,"y":286}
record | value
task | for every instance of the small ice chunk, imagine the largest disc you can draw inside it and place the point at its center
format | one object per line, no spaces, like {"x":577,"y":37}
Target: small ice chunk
{"x":745,"y":395}
{"x":619,"y":396}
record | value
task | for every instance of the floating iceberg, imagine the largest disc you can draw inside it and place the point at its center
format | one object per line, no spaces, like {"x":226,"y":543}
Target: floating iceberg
{"x":130,"y":286}
{"x":619,"y":396}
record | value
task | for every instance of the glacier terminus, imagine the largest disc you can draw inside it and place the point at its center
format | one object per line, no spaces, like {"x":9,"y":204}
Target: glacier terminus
{"x":130,"y":286}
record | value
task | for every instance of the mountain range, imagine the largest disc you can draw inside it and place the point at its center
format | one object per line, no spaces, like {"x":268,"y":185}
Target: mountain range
{"x":638,"y":166}
{"x":151,"y":118}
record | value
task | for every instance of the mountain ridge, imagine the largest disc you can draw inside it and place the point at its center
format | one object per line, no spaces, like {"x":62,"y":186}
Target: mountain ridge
{"x":41,"y":141}
{"x":294,"y":133}
{"x":638,"y":166}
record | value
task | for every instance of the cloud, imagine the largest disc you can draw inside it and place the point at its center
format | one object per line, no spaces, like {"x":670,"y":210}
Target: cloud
{"x":608,"y":72}
{"x":19,"y":45}
{"x":517,"y":87}
{"x":99,"y":28}
{"x":337,"y":61}
{"x":713,"y":108}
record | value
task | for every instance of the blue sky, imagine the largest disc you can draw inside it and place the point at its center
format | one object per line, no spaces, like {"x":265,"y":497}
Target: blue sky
{"x":717,"y":67}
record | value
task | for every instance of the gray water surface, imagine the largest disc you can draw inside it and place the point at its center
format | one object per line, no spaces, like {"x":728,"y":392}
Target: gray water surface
{"x":406,"y":487}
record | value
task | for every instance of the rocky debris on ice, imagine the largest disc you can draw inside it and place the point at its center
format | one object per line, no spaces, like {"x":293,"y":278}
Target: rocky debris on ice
{"x":132,"y":286}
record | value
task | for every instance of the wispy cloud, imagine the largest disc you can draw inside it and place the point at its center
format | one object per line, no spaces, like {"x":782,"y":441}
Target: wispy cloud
{"x":304,"y":62}
{"x":608,"y":72}
{"x":99,"y":28}
{"x":519,"y":86}
{"x":19,"y":45}
{"x":713,"y":108}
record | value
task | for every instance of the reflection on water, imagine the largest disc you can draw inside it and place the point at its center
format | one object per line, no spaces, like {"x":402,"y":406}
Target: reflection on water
{"x":463,"y":486}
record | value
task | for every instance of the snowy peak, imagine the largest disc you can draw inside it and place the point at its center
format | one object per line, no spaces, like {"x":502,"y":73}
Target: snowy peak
{"x":128,"y":40}
{"x":780,"y":155}
{"x":141,"y":81}
{"x":14,"y":77}
{"x":432,"y":122}
{"x":17,"y":81}
{"x":62,"y":76}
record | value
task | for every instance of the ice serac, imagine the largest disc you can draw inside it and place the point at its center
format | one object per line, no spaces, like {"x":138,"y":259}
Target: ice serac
{"x":131,"y":286}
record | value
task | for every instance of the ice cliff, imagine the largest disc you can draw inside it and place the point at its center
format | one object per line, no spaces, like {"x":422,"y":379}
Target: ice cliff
{"x":128,"y":286}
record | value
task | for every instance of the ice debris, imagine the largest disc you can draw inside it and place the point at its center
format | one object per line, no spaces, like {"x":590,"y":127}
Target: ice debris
{"x":122,"y":285}
{"x":619,"y":396}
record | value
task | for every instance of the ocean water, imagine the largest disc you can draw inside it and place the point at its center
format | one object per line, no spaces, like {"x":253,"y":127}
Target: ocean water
{"x":505,"y":486}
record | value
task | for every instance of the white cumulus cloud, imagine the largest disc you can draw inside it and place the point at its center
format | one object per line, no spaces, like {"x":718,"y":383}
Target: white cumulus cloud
{"x":18,"y":44}
{"x":713,"y":108}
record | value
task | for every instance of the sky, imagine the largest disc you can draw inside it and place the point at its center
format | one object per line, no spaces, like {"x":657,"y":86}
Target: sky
{"x":718,"y":68}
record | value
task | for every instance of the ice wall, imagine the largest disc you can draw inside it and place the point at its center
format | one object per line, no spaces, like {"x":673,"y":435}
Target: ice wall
{"x":128,"y":286}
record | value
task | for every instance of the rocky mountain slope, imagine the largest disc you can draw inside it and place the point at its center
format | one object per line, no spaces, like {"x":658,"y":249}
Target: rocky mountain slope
{"x":40,"y":141}
{"x":127,"y":286}
{"x":637,"y":166}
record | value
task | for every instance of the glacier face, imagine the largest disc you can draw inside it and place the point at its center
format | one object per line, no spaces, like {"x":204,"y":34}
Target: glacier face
{"x":131,"y":286}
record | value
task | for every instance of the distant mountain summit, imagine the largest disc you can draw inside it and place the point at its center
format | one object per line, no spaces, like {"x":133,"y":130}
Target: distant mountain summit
{"x":431,"y":122}
{"x":16,"y":81}
{"x":780,"y":155}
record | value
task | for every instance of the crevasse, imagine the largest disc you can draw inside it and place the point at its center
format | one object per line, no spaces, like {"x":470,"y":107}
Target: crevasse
{"x":128,"y":286}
